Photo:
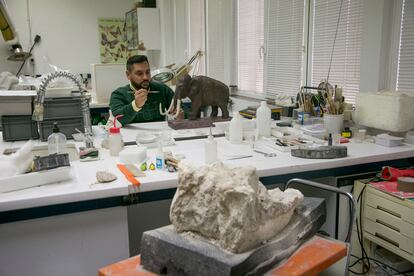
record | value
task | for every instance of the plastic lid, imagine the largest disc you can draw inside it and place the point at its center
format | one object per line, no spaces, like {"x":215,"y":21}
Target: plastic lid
{"x":114,"y":130}
{"x":55,"y":127}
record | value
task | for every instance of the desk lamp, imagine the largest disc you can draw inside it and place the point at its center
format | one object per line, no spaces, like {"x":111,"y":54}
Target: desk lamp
{"x":173,"y":74}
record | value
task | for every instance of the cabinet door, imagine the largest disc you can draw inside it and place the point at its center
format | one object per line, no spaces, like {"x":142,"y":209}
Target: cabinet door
{"x":149,"y":28}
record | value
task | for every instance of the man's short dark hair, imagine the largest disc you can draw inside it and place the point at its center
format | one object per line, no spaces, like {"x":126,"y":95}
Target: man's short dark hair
{"x":135,"y":59}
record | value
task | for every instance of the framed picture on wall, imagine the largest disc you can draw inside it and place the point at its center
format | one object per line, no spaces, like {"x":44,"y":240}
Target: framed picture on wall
{"x":131,"y":29}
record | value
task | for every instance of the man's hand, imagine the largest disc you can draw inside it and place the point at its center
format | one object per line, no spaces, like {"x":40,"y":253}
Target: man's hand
{"x":140,"y":97}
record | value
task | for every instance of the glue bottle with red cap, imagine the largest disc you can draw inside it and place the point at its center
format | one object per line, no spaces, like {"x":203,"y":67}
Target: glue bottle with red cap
{"x":115,"y":139}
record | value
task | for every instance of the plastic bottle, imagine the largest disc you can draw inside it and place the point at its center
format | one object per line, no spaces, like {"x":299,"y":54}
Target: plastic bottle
{"x":115,"y":139}
{"x":263,"y":119}
{"x":210,"y":149}
{"x":159,"y":157}
{"x":236,"y":129}
{"x":56,"y":141}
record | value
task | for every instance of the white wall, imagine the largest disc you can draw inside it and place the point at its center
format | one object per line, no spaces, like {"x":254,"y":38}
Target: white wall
{"x":377,"y":52}
{"x":69,"y":31}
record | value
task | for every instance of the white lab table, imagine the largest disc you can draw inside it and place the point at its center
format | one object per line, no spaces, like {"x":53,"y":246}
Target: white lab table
{"x":43,"y":229}
{"x":80,"y":188}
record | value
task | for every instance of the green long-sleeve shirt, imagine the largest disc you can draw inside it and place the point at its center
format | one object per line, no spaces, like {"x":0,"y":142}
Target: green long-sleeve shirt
{"x":121,"y":99}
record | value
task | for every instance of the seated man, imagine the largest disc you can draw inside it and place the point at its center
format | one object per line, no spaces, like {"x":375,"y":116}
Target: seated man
{"x":139,"y":100}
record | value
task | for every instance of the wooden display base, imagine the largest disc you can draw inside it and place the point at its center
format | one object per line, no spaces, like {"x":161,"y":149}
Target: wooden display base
{"x":198,"y":123}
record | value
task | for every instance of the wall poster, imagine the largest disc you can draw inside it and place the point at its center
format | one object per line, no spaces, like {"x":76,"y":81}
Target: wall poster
{"x":113,"y":43}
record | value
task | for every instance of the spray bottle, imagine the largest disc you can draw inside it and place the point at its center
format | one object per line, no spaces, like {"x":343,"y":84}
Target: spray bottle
{"x":56,"y":141}
{"x":115,"y":139}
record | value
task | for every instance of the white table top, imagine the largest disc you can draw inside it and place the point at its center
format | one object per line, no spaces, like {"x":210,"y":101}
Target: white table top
{"x":79,"y":188}
{"x":14,"y":93}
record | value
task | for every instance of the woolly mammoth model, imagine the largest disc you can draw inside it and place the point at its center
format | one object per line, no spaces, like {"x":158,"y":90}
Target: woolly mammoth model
{"x":203,"y":91}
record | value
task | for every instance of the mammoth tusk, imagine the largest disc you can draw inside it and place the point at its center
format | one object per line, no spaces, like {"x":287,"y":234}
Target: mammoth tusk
{"x":161,"y":112}
{"x":178,"y":109}
{"x":171,"y":105}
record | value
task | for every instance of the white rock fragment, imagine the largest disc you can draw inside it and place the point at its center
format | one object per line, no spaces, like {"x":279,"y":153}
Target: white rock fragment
{"x":230,"y":206}
{"x":104,"y":176}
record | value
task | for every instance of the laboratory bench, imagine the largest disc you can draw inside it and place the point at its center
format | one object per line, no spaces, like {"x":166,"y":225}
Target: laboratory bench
{"x":83,"y":226}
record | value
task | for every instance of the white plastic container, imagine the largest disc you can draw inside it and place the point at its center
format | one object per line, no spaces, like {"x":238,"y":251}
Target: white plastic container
{"x":386,"y":110}
{"x":263,"y":119}
{"x":16,"y":102}
{"x":334,"y":123}
{"x":409,"y":137}
{"x":58,"y":92}
{"x":314,"y":130}
{"x":236,"y":129}
{"x":387,"y":140}
{"x":56,"y":141}
{"x":210,"y":149}
{"x":115,"y":140}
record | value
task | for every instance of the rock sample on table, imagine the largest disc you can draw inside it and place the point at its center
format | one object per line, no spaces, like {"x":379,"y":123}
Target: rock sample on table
{"x":230,"y":207}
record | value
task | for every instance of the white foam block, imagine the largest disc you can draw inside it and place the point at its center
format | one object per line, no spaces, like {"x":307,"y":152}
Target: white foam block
{"x":133,"y":155}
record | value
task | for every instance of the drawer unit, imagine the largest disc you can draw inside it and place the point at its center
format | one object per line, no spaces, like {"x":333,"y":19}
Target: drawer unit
{"x":389,"y":222}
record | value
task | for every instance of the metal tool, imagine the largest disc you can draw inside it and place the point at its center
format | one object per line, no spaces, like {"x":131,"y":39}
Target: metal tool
{"x":266,"y":154}
{"x":234,"y":157}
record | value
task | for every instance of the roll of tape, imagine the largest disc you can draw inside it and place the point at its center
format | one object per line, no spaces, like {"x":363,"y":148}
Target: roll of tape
{"x":405,"y":184}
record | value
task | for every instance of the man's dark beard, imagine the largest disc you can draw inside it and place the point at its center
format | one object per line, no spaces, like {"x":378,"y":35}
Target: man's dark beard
{"x":143,"y":85}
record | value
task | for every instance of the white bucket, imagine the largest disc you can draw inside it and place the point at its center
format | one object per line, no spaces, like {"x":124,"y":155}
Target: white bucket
{"x":333,"y":123}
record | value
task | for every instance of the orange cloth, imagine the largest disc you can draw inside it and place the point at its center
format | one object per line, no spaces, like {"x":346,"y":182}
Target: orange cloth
{"x":311,"y":258}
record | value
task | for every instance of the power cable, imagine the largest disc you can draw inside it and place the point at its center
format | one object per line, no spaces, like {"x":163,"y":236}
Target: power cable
{"x":36,"y":40}
{"x":333,"y":45}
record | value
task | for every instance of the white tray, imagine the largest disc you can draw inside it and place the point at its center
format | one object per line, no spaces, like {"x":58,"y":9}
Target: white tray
{"x":24,"y":181}
{"x":165,"y":143}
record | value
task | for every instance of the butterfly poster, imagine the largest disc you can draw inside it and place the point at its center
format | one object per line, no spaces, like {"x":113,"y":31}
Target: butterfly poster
{"x":112,"y":40}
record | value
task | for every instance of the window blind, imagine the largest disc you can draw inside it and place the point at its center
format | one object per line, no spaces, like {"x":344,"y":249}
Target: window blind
{"x":283,"y":47}
{"x":196,"y":34}
{"x":405,"y":71}
{"x":250,"y":25}
{"x":219,"y":39}
{"x":345,"y":69}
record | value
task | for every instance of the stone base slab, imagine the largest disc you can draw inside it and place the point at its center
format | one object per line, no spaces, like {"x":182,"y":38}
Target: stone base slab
{"x":164,"y":251}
